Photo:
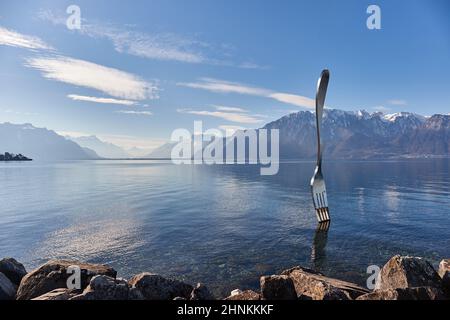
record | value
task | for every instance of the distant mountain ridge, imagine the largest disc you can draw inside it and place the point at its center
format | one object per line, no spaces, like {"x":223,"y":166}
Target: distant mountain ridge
{"x":102,"y":148}
{"x":361,"y":135}
{"x":40,"y":143}
{"x":357,"y":135}
{"x":345,"y":135}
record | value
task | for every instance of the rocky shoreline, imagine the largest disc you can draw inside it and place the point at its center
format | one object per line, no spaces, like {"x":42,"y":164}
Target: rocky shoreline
{"x":13,"y":157}
{"x":401,"y":278}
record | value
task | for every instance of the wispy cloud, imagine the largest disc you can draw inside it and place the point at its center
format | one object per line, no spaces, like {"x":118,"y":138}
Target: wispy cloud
{"x":397,"y":102}
{"x":238,"y":117}
{"x":116,"y":83}
{"x":162,"y":46}
{"x":20,"y":113}
{"x":101,"y":100}
{"x":222,"y":86}
{"x":229,"y":109}
{"x":141,"y":113}
{"x":381,"y":109}
{"x":14,"y":39}
{"x":252,"y":65}
{"x":293,"y":99}
{"x":159,"y":46}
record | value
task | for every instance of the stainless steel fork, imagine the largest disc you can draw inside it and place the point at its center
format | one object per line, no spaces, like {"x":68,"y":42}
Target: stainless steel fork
{"x":318,"y":189}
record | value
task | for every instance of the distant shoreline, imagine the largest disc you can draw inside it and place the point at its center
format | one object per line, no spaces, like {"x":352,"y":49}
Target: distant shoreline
{"x":13,"y":157}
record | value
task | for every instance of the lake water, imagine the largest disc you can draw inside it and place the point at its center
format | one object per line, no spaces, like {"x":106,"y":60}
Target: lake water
{"x":223,"y":225}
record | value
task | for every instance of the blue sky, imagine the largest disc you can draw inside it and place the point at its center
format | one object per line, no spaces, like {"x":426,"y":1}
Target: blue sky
{"x":137,"y":70}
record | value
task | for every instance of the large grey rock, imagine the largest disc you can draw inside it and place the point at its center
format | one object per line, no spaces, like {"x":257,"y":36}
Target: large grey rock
{"x":13,"y":269}
{"x":407,"y":272}
{"x":53,"y":275}
{"x":244,"y":295}
{"x":444,"y":272}
{"x":7,"y":288}
{"x":58,"y":294}
{"x":156,"y":287}
{"x":418,"y":293}
{"x":105,"y":288}
{"x":277,"y":287}
{"x":316,"y":286}
{"x":201,"y":292}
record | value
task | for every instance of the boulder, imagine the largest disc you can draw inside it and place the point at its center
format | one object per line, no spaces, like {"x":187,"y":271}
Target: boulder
{"x":105,"y":288}
{"x":444,"y":267}
{"x":156,"y":287}
{"x":418,"y":293}
{"x":12,"y":269}
{"x":316,"y":286}
{"x":444,"y":272}
{"x":244,"y":295}
{"x":407,"y":272}
{"x":58,"y":294}
{"x":54,"y":275}
{"x":277,"y":287}
{"x":235,"y":291}
{"x":7,"y":288}
{"x":201,"y":292}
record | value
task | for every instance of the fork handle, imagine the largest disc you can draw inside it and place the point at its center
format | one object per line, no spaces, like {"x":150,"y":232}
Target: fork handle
{"x":322,"y":86}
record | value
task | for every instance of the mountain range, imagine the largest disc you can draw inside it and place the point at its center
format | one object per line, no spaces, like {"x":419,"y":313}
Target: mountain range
{"x":102,"y":148}
{"x":362,"y":135}
{"x":40,"y":143}
{"x":345,"y":135}
{"x":357,"y":135}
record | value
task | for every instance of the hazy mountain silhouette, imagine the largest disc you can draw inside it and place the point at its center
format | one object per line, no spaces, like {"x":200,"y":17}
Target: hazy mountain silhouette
{"x":102,"y":148}
{"x":40,"y":143}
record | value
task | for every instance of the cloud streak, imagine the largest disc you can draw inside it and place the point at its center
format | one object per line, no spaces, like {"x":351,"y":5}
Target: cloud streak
{"x":230,"y":109}
{"x":161,"y":46}
{"x":238,"y":117}
{"x":76,"y":97}
{"x":141,"y":113}
{"x":14,"y":39}
{"x":157,"y":46}
{"x":116,"y":83}
{"x":397,"y":102}
{"x":221,"y":86}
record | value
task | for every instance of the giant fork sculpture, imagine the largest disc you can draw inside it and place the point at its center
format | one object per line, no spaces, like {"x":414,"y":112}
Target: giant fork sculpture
{"x":318,"y":189}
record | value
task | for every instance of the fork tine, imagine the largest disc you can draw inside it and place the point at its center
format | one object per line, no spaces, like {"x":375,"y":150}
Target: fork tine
{"x":323,"y":214}
{"x":318,"y":215}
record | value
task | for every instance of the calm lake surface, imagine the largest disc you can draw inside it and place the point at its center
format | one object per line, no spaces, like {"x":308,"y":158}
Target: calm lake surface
{"x":223,"y":225}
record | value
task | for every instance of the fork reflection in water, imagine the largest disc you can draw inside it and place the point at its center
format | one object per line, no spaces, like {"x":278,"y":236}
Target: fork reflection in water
{"x":318,"y":252}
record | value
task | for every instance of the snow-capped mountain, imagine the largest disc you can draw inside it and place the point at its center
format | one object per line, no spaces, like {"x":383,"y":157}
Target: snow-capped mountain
{"x":356,"y":135}
{"x":360,"y":134}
